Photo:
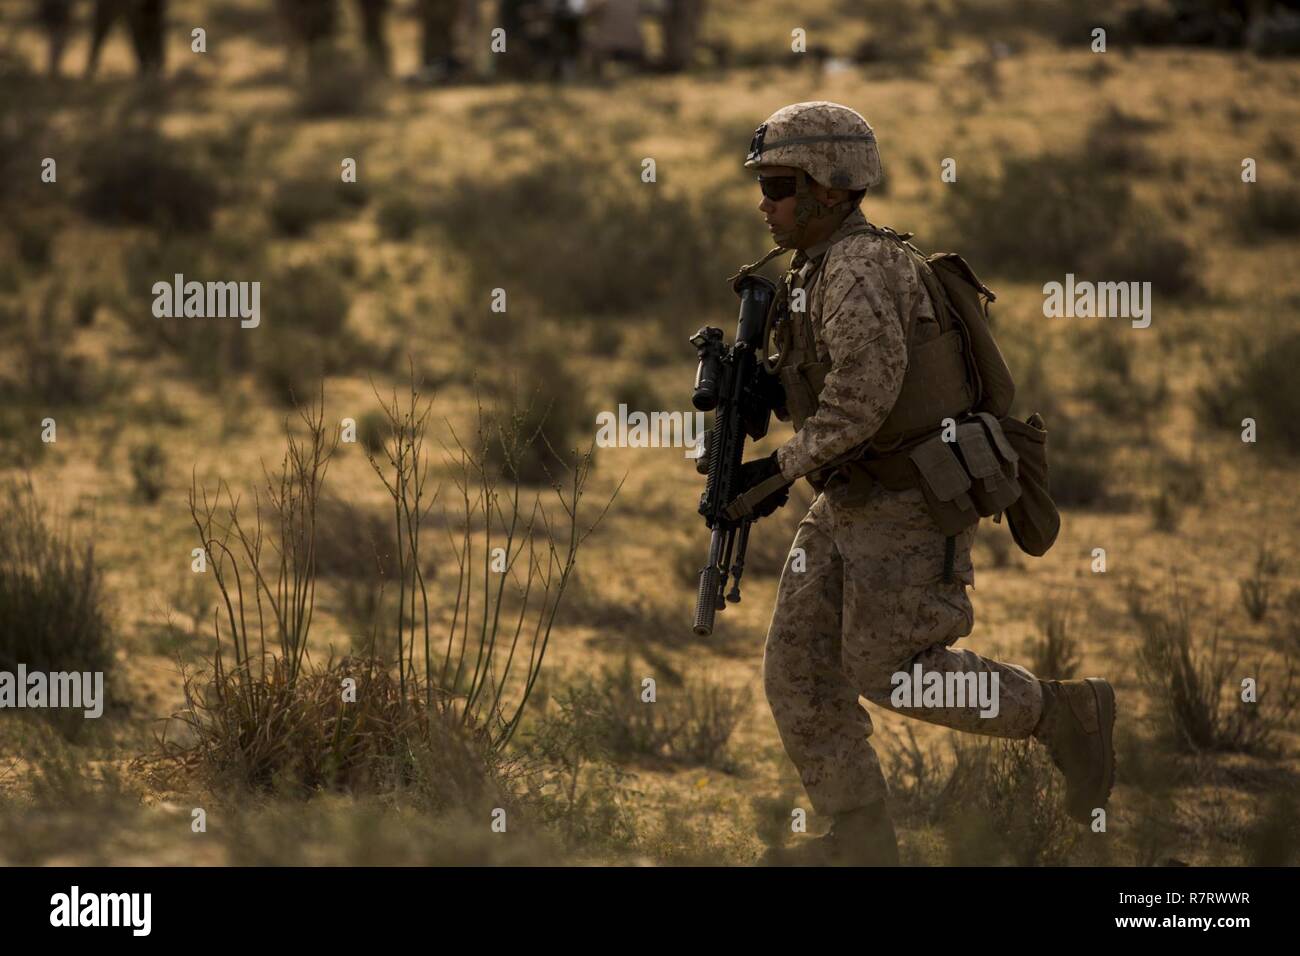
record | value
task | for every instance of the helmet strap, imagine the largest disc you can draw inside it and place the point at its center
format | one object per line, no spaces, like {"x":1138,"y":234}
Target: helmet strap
{"x":807,"y":207}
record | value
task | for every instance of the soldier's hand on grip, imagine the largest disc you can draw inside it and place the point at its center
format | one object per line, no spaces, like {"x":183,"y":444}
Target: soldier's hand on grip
{"x":753,"y":474}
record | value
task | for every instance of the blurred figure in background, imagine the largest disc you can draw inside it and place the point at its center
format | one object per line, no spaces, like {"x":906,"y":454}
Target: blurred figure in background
{"x":145,"y":19}
{"x":373,"y":14}
{"x":681,"y":24}
{"x":55,"y":19}
{"x":438,"y":59}
{"x":472,"y":42}
{"x":614,"y":33}
{"x":311,"y":25}
{"x":566,"y":37}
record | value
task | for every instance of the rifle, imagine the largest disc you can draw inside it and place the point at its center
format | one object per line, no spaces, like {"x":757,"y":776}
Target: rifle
{"x":732,"y":383}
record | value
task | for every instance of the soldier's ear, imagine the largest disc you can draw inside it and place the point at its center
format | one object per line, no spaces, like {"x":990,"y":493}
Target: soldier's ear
{"x":824,"y":194}
{"x":831,"y":197}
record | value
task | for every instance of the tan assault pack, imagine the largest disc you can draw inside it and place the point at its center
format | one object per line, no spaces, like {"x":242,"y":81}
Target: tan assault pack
{"x":992,"y":464}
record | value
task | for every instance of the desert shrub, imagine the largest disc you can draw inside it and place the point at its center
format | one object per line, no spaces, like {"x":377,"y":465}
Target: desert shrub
{"x":210,"y":350}
{"x":1187,"y":680}
{"x":690,"y":725}
{"x":337,"y":86}
{"x":606,"y":339}
{"x":1059,"y":213}
{"x":274,"y":719}
{"x":65,"y":806}
{"x":543,"y":416}
{"x":642,"y":620}
{"x":1149,"y":253}
{"x":575,"y":782}
{"x":20,"y":436}
{"x":305,"y":335}
{"x":49,"y":374}
{"x":1019,"y":796}
{"x":373,"y":431}
{"x":1269,"y":210}
{"x":1274,"y":837}
{"x":999,"y":549}
{"x":1285,"y":633}
{"x":355,"y":194}
{"x":1001,"y":802}
{"x":1257,"y":590}
{"x":53,"y":614}
{"x":143,"y":178}
{"x":1044,"y":214}
{"x":1180,"y":484}
{"x":1113,"y":141}
{"x":1078,"y":463}
{"x":1256,"y":380}
{"x":307,"y":296}
{"x":148,"y":471}
{"x":352,"y":542}
{"x":581,"y":235}
{"x":1153,"y":773}
{"x":1054,"y":653}
{"x":1113,"y":385}
{"x":34,"y":240}
{"x":321,"y":741}
{"x":29,"y":132}
{"x":298,"y":204}
{"x":917,"y":779}
{"x":85,"y":305}
{"x":638,"y":393}
{"x":398,"y":218}
{"x":291,"y":366}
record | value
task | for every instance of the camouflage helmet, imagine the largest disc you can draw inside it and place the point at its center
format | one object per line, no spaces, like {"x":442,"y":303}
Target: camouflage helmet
{"x":831,"y":143}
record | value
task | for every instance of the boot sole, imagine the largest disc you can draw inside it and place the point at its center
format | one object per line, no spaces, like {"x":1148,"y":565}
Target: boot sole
{"x":1105,"y":696}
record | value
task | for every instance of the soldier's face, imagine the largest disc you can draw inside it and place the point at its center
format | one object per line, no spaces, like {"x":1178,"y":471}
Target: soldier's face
{"x":778,"y":214}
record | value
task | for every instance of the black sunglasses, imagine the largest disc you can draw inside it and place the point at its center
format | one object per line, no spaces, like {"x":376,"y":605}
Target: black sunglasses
{"x":777,"y":188}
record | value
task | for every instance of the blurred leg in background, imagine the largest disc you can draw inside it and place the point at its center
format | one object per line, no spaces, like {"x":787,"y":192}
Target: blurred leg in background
{"x":373,"y":15}
{"x":106,"y":13}
{"x":681,"y":26}
{"x":438,"y":39}
{"x":615,"y":33}
{"x":312,"y":26}
{"x":148,"y":22}
{"x":55,"y":18}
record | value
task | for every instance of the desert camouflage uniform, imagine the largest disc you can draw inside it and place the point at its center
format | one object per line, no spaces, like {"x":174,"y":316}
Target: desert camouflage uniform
{"x":871,"y":599}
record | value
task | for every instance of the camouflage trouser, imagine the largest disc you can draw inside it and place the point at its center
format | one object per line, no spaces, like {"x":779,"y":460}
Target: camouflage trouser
{"x":871,"y":601}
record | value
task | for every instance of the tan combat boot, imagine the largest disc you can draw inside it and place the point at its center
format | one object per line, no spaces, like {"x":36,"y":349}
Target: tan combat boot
{"x":1077,"y":726}
{"x":862,"y":837}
